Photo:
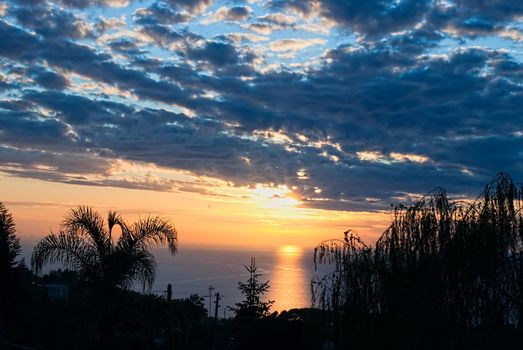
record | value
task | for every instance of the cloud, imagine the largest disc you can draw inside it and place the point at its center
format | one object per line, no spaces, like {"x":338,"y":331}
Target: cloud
{"x":263,"y":28}
{"x":279,"y":19}
{"x":3,"y":9}
{"x":394,"y":109}
{"x":299,"y":6}
{"x":193,"y":6}
{"x":51,"y":22}
{"x":104,"y":24}
{"x":239,"y":38}
{"x":160,"y":13}
{"x":375,"y":19}
{"x":216,"y":53}
{"x":48,"y":79}
{"x":378,"y":157}
{"x":23,"y":129}
{"x":294,"y":44}
{"x":230,"y":14}
{"x":403,"y":157}
{"x":49,"y":165}
{"x":117,"y":3}
{"x":272,"y":22}
{"x":80,"y":4}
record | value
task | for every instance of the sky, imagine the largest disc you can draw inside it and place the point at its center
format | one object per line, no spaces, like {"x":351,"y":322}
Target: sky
{"x":262,"y":122}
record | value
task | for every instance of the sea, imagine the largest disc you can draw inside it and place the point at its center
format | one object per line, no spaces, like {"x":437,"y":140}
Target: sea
{"x":209,"y":271}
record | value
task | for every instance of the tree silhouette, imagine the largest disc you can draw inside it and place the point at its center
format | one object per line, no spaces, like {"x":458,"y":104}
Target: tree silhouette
{"x":9,"y":251}
{"x":253,"y":307}
{"x":85,"y":244}
{"x":9,"y":242}
{"x":441,"y":267}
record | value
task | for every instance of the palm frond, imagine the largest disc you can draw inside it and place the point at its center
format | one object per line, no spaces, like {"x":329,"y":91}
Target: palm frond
{"x":145,"y":270}
{"x":65,"y":248}
{"x":85,"y":245}
{"x":152,"y":232}
{"x":114,"y":218}
{"x":135,"y":265}
{"x":84,"y":221}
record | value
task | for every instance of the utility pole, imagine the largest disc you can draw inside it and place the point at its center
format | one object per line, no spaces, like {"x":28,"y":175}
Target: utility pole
{"x":215,"y":323}
{"x":216,"y":306}
{"x":169,"y":292}
{"x":211,"y":288}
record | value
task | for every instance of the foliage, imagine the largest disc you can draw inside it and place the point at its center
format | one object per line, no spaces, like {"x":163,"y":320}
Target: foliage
{"x":440,"y":267}
{"x":9,"y":242}
{"x":253,"y":307}
{"x":11,"y":270}
{"x":66,"y":277}
{"x":85,"y":244}
{"x":141,"y":321}
{"x":128,"y":320}
{"x":197,"y":300}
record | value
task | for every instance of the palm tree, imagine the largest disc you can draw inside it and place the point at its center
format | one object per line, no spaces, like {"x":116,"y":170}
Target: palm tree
{"x":85,"y":243}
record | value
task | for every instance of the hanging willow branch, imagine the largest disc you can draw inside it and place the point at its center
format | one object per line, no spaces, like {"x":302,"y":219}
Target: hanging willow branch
{"x":457,"y":263}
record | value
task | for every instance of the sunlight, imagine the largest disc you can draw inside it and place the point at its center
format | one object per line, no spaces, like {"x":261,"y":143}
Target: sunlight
{"x":275,"y":197}
{"x":290,"y":250}
{"x":289,"y":280}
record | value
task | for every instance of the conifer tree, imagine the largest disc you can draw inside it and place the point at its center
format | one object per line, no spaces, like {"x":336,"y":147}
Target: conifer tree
{"x":9,"y":242}
{"x":252,"y":307}
{"x":9,"y":266}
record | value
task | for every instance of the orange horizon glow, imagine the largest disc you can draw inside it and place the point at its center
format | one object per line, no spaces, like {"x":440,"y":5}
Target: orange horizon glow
{"x":290,"y":250}
{"x":261,"y":217}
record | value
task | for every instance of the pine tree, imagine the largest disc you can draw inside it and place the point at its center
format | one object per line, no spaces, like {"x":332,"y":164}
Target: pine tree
{"x":9,"y":242}
{"x":253,"y":307}
{"x":9,"y":266}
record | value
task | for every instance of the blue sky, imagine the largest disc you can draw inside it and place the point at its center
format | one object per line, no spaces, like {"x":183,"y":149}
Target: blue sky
{"x":351,"y":105}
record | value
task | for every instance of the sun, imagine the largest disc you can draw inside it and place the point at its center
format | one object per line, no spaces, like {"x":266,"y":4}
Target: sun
{"x":290,"y":250}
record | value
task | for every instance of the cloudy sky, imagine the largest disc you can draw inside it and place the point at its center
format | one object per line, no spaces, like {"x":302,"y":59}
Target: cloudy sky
{"x":332,"y":107}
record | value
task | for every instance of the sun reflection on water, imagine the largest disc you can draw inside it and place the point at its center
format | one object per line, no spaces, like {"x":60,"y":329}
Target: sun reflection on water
{"x":289,"y":284}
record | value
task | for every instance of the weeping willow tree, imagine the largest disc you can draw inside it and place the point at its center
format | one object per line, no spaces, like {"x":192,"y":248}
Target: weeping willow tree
{"x":441,"y":267}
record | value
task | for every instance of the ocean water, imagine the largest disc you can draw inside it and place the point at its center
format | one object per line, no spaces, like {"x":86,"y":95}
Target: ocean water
{"x":192,"y":270}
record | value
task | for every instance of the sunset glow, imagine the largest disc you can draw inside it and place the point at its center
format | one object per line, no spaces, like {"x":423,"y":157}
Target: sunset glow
{"x":212,"y":114}
{"x":289,"y":281}
{"x":200,"y":174}
{"x":290,"y":250}
{"x":252,"y":217}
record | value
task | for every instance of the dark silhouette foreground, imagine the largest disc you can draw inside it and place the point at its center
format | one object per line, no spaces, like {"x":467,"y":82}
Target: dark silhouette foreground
{"x":86,"y":244}
{"x":444,"y":275}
